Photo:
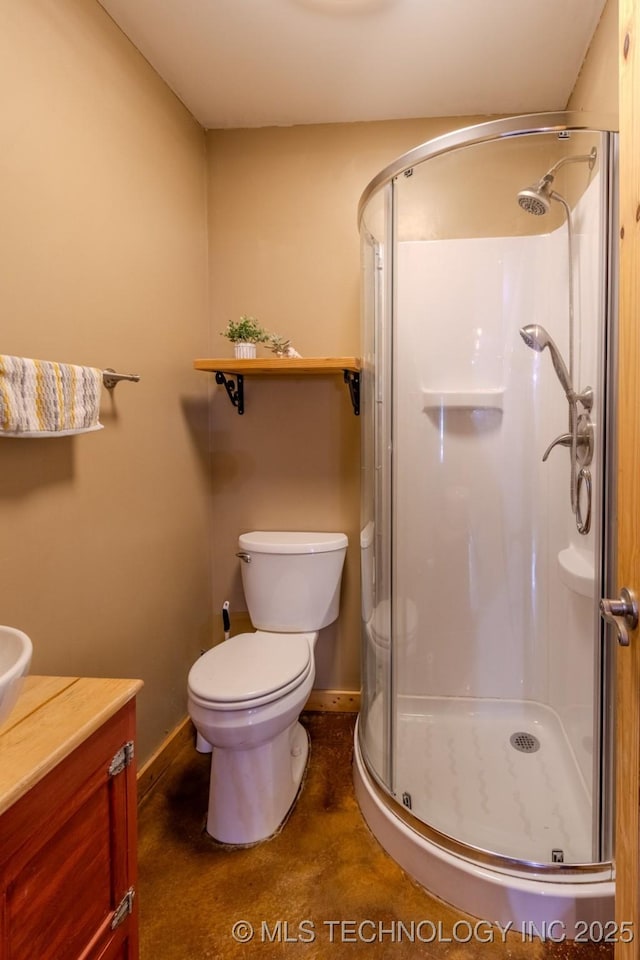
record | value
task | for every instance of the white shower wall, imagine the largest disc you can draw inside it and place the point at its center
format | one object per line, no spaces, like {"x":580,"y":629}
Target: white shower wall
{"x":482,"y":607}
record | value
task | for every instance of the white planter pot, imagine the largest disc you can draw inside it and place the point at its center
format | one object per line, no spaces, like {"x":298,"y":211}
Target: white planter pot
{"x":244,"y":351}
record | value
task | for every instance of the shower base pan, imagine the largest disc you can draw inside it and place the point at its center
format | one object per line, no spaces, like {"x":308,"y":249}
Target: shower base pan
{"x":496,"y":774}
{"x":558,"y":899}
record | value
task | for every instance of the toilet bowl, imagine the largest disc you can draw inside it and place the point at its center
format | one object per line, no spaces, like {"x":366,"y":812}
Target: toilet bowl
{"x":245,"y":695}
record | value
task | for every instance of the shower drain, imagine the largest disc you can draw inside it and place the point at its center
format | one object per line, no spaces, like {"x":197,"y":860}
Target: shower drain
{"x":524,"y":742}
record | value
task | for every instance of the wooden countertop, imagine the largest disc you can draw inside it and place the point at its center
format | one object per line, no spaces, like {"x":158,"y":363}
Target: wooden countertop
{"x":52,"y":717}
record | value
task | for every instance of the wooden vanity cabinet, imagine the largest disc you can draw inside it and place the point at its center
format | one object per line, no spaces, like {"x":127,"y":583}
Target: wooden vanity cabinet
{"x":68,"y":858}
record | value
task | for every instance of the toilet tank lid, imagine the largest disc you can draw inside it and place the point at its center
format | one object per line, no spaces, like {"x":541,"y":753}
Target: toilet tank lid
{"x":290,"y":541}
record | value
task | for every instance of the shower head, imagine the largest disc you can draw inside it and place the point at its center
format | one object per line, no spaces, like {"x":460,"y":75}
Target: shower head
{"x":538,"y":338}
{"x":537,"y":198}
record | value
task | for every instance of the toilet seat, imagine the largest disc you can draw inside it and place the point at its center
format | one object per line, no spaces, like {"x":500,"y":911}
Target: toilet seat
{"x":250,"y":669}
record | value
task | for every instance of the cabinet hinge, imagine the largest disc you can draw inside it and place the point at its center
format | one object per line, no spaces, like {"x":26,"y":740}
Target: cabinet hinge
{"x":121,"y":759}
{"x":124,"y":908}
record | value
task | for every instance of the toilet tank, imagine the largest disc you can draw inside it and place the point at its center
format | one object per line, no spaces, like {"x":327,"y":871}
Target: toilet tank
{"x":292,"y":579}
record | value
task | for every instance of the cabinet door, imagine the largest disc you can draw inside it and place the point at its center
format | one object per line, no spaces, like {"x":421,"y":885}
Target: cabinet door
{"x":119,"y":947}
{"x":67,"y":857}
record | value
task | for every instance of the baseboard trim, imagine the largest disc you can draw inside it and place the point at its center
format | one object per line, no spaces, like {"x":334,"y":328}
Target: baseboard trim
{"x":157,"y":764}
{"x":339,"y":701}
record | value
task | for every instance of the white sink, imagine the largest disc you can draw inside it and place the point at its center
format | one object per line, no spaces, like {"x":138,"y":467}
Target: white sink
{"x":15,"y":658}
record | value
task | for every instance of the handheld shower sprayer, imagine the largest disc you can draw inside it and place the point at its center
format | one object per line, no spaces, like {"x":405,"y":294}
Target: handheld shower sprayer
{"x":580,"y":435}
{"x":538,"y":338}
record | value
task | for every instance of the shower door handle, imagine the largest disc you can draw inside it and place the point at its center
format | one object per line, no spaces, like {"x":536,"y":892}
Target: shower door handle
{"x":622,"y":614}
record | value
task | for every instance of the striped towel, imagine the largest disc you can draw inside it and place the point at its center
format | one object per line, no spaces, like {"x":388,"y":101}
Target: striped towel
{"x":43,"y":398}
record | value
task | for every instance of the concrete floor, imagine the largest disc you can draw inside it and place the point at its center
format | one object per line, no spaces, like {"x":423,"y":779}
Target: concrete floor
{"x":321,"y":888}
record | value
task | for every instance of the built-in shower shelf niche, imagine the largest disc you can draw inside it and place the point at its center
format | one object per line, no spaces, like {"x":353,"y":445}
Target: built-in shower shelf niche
{"x":486,"y":398}
{"x":576,"y":571}
{"x":347,"y":367}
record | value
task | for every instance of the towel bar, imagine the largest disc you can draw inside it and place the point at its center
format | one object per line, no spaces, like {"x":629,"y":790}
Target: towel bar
{"x":110,"y":378}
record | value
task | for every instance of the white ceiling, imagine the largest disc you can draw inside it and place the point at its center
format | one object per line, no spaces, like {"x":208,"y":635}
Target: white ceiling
{"x":248,"y":63}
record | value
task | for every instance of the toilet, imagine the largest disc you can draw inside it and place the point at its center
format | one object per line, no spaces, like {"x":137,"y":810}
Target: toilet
{"x":245,"y":695}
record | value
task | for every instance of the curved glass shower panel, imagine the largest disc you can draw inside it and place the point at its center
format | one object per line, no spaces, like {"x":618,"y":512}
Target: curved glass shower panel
{"x":375,"y":534}
{"x":494,"y":728}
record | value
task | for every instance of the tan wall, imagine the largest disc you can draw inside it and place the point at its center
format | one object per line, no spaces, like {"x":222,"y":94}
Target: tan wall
{"x":284,"y":246}
{"x":596,"y":88}
{"x":103,"y":556}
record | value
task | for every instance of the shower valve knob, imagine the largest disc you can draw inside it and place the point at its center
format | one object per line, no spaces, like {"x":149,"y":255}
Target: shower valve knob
{"x":584,"y":441}
{"x":622,"y":614}
{"x":562,"y":441}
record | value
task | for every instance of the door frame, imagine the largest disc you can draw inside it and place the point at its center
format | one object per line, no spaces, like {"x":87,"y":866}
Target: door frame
{"x":627,"y":819}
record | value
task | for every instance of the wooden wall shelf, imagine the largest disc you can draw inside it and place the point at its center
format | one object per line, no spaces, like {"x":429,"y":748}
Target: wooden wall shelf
{"x":348,"y":367}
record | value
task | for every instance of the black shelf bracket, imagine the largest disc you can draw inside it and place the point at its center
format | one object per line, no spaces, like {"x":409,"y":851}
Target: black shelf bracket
{"x":235,"y":393}
{"x":352,"y":379}
{"x":235,"y":389}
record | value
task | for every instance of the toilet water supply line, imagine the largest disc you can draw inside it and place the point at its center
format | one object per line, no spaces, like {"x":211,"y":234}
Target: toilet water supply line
{"x":202,"y":745}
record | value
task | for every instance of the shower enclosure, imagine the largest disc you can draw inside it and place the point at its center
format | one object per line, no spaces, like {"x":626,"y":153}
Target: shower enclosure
{"x":484,"y":743}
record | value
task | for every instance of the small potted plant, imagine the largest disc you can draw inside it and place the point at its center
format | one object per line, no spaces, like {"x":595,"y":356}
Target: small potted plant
{"x":244,"y":334}
{"x":281,"y":346}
